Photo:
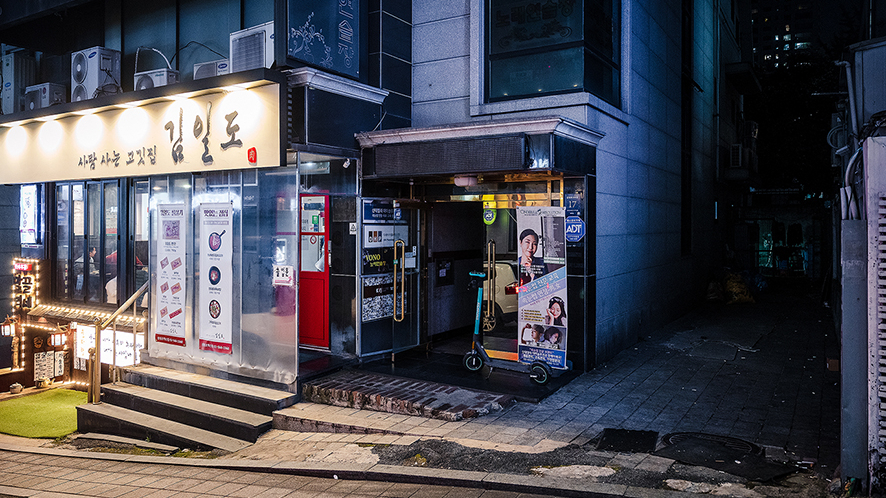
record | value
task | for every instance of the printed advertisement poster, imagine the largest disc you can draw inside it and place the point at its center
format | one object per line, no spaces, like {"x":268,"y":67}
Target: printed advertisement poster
{"x":171,"y":273}
{"x":378,"y":297}
{"x":127,"y":348}
{"x":28,"y":223}
{"x":216,"y":276}
{"x":541,"y":259}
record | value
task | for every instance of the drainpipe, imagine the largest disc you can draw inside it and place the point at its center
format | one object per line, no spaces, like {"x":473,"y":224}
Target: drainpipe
{"x":851,"y":86}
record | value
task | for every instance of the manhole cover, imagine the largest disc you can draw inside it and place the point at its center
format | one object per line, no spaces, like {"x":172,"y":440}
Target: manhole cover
{"x":729,"y":442}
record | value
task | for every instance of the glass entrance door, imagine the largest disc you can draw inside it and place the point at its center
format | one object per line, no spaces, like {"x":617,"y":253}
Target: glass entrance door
{"x":389,"y":276}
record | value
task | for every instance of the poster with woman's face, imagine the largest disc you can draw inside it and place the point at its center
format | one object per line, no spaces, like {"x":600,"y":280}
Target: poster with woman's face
{"x":541,"y":259}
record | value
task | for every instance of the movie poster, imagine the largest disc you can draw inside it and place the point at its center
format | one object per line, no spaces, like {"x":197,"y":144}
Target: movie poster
{"x":171,"y":275}
{"x":541,"y":263}
{"x":216,"y":277}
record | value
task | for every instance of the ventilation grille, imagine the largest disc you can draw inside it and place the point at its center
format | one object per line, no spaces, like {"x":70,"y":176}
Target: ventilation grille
{"x":881,"y":325}
{"x":476,"y":155}
{"x":248,"y":51}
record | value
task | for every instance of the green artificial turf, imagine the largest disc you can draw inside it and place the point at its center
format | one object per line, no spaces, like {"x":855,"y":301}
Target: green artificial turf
{"x":49,"y":414}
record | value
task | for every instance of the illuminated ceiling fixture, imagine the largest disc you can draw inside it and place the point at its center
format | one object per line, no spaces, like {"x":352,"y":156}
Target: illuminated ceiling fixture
{"x":465,"y":180}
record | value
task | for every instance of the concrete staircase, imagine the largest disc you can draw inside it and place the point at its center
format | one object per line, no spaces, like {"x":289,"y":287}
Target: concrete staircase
{"x":183,"y":409}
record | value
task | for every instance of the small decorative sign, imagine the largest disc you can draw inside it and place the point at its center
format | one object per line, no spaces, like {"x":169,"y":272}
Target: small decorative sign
{"x":489,"y":216}
{"x":283,"y":276}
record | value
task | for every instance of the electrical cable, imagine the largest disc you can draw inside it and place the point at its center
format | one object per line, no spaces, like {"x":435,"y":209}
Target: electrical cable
{"x":168,"y":66}
{"x":198,"y":43}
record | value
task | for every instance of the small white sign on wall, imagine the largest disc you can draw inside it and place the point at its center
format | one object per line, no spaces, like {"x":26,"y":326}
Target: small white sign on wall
{"x":284,"y":276}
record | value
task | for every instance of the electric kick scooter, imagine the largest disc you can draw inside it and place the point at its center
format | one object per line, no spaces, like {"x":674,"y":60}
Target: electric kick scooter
{"x":539,"y":371}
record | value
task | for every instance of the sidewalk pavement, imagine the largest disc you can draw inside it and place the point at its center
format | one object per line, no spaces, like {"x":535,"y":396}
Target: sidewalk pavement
{"x":756,"y":372}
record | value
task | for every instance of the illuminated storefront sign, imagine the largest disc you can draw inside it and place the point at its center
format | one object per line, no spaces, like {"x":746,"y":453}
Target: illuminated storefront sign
{"x":24,"y":283}
{"x":217,"y":131}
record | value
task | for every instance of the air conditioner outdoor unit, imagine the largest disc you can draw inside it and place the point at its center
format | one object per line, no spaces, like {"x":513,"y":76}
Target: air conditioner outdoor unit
{"x":44,"y":95}
{"x":154,"y":78}
{"x":94,"y":72}
{"x":18,"y":71}
{"x":211,"y":68}
{"x":252,"y":48}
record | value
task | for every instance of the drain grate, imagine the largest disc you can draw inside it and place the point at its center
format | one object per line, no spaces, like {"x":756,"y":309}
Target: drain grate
{"x":730,"y":442}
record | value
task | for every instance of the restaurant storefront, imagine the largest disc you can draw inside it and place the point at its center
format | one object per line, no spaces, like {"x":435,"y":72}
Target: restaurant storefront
{"x":195,"y":189}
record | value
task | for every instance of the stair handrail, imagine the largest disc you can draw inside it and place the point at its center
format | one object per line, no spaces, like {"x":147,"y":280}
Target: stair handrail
{"x":95,"y":380}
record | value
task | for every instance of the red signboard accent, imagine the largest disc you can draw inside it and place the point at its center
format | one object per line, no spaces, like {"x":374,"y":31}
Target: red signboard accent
{"x":252,"y":156}
{"x":22,"y":266}
{"x":218,"y":347}
{"x":177,"y":341}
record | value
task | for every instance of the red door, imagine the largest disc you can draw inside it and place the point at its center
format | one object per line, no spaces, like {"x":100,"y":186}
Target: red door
{"x":313,"y":287}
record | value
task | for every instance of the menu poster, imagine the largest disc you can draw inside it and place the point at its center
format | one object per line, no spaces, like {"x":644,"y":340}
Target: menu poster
{"x":216,"y":277}
{"x":44,"y":364}
{"x":541,"y":300}
{"x":59,"y":369}
{"x":171,"y":274}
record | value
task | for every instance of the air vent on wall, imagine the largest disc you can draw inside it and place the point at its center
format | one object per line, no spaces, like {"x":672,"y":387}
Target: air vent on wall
{"x":252,"y":48}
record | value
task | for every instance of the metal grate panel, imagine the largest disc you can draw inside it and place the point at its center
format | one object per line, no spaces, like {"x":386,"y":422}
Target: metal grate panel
{"x":880,"y":376}
{"x":473,"y":155}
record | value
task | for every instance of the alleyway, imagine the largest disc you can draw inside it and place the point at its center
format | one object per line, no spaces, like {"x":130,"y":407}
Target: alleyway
{"x":756,"y":372}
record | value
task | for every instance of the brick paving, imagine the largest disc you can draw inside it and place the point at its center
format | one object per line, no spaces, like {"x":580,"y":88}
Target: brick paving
{"x":756,"y":372}
{"x":387,"y":393}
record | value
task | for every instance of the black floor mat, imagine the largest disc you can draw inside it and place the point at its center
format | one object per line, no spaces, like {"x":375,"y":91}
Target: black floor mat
{"x":627,"y":441}
{"x":719,"y":456}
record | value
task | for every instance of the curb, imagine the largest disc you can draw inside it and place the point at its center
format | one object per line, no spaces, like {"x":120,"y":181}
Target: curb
{"x":388,"y":473}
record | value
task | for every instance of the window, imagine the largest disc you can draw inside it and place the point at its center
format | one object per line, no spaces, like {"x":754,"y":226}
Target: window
{"x":87,"y":228}
{"x":536,"y":48}
{"x":802,"y":45}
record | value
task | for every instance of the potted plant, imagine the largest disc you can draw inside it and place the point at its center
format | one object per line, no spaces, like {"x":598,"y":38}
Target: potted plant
{"x":15,"y":388}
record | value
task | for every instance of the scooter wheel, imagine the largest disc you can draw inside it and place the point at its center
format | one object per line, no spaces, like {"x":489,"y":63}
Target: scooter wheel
{"x":473,"y":361}
{"x":540,"y":373}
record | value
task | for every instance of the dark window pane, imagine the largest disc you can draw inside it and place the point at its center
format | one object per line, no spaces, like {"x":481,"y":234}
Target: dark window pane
{"x":78,"y":195}
{"x":109,"y":274}
{"x":93,"y":254}
{"x":555,"y":46}
{"x":602,"y":80}
{"x":516,"y":25}
{"x":63,"y":239}
{"x":536,"y":74}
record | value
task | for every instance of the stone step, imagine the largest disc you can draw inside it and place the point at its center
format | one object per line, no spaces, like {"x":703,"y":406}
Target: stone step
{"x":391,"y":394}
{"x":110,"y":419}
{"x":232,"y":422}
{"x":225,"y":392}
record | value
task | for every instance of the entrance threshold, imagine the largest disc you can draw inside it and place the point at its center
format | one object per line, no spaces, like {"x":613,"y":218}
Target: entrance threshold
{"x":443,"y":364}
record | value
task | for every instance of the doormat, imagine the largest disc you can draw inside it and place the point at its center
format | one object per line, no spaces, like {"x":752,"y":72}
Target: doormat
{"x":627,"y":441}
{"x":724,"y":456}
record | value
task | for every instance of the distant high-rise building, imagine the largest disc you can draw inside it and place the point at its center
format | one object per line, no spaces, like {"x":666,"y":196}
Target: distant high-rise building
{"x":783,"y":29}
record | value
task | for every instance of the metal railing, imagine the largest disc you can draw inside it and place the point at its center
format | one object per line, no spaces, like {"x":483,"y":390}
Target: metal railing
{"x":94,"y":368}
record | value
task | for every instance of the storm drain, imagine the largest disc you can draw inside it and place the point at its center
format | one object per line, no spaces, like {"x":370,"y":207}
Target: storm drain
{"x":729,"y":442}
{"x":627,"y":441}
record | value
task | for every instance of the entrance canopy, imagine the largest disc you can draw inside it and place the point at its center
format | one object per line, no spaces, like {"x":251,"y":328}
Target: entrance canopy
{"x":499,"y":146}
